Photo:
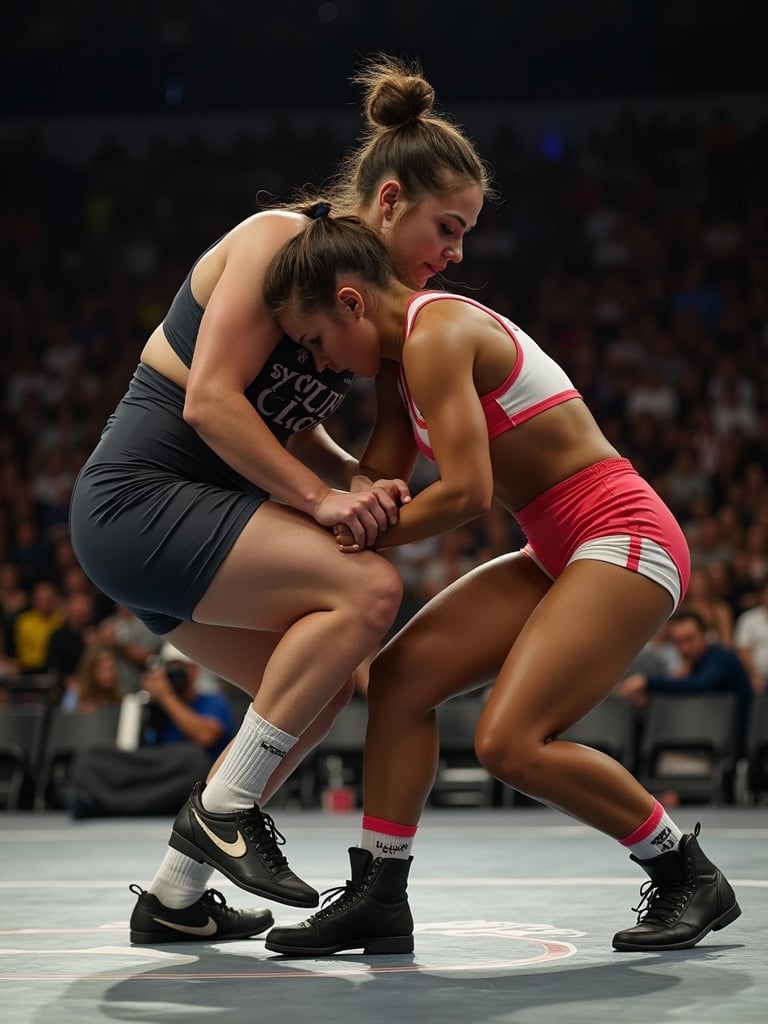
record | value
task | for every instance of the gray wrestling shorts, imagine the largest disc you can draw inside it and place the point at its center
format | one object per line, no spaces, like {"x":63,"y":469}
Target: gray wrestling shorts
{"x":154,"y":510}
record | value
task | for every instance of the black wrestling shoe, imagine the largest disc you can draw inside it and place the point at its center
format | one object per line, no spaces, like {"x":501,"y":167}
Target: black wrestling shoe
{"x":208,"y":919}
{"x":242,"y":845}
{"x":370,"y":912}
{"x":686,"y":897}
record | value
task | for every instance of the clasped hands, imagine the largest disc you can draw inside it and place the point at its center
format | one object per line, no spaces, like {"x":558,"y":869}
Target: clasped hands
{"x":358,"y":517}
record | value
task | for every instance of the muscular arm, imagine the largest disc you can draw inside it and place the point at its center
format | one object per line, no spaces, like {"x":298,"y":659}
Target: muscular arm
{"x":235,"y":340}
{"x":438,"y":361}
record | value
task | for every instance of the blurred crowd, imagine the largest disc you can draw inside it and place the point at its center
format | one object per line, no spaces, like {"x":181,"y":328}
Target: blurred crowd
{"x":637,"y":256}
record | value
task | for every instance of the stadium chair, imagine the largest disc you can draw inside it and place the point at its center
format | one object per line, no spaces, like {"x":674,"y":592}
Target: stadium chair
{"x":689,"y":746}
{"x":21,"y":735}
{"x":757,"y":751}
{"x":68,"y":733}
{"x":461,"y":781}
{"x":610,"y":728}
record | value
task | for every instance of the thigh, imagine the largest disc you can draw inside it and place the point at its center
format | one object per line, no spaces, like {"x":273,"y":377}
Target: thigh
{"x":237,"y":655}
{"x":574,"y":649}
{"x":460,"y":639}
{"x":282,"y":566}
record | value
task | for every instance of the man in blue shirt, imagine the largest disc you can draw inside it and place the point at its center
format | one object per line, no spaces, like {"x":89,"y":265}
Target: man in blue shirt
{"x":185,"y":715}
{"x":706,"y":668}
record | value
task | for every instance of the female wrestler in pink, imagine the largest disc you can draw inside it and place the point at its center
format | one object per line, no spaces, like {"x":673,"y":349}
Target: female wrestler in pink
{"x":556,"y":624}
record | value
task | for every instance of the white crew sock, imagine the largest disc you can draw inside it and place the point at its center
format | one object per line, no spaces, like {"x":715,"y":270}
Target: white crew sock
{"x":256,"y":751}
{"x":179,"y":880}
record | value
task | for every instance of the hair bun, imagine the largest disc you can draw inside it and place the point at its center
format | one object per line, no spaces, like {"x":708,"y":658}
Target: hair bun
{"x":394,"y":92}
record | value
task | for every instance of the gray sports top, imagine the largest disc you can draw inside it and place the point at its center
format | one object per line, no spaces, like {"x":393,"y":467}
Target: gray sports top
{"x":289,"y":393}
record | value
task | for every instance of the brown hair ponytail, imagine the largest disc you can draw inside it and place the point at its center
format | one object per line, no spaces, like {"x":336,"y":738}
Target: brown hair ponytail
{"x":304,"y":270}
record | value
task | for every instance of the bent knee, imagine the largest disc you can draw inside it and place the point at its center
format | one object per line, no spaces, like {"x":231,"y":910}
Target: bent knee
{"x":380,"y":600}
{"x":512,"y":759}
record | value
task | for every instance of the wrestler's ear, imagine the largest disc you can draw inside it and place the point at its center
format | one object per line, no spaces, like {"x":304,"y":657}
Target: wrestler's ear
{"x":390,"y":193}
{"x":351,"y":300}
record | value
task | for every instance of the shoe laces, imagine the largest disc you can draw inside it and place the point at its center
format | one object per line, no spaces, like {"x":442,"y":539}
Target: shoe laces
{"x":262,"y":830}
{"x":215,"y":897}
{"x":217,"y":905}
{"x":337,"y":899}
{"x":662,"y":905}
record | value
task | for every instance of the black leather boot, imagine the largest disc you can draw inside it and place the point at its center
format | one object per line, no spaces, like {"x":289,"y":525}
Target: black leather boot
{"x":686,"y":897}
{"x":370,"y":912}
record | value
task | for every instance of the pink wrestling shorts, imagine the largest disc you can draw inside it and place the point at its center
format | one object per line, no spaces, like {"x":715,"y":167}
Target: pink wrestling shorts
{"x":609,"y":513}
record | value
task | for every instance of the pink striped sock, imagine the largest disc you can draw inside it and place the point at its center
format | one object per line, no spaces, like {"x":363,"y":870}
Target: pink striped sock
{"x":383,"y":838}
{"x":658,"y":834}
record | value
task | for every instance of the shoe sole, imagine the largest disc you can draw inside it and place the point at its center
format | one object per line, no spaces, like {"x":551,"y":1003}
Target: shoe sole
{"x":151,"y":939}
{"x":374,"y":947}
{"x":723,"y":921}
{"x":188,"y":848}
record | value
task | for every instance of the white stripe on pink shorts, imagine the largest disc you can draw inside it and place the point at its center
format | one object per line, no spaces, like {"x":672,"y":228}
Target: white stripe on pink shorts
{"x":638,"y":554}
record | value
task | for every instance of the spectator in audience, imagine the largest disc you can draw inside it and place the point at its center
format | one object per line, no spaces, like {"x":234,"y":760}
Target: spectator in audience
{"x":754,"y":495}
{"x":707,"y":543}
{"x":751,"y":641}
{"x":33,"y":628}
{"x":715,"y":613}
{"x":63,"y":556}
{"x":74,"y":581}
{"x":652,"y":395}
{"x":706,"y":667}
{"x":756,"y":551}
{"x":185,"y":714}
{"x":8,"y":665}
{"x":743,"y":588}
{"x":52,"y":486}
{"x":68,"y":643}
{"x":132,"y":642}
{"x":659,"y":656}
{"x":13,"y":599}
{"x":30,"y":552}
{"x":685,"y":480}
{"x":95,"y":684}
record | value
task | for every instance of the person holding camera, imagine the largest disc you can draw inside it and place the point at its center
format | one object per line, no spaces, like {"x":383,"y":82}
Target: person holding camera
{"x":178,"y":712}
{"x":180,"y":734}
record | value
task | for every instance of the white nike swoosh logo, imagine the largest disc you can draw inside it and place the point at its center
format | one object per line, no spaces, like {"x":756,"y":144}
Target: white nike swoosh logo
{"x":201,"y":929}
{"x":234,"y":849}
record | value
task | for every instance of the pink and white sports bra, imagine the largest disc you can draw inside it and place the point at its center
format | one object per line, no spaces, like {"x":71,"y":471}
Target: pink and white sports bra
{"x":535,"y":384}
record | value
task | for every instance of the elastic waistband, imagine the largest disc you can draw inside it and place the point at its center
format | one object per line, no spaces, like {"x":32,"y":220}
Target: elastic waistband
{"x":597,"y":471}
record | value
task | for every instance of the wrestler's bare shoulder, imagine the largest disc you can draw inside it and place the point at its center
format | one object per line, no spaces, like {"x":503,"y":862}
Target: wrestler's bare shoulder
{"x":277,"y":225}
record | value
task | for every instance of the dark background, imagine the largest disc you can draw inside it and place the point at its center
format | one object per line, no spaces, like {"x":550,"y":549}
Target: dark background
{"x":84,"y":56}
